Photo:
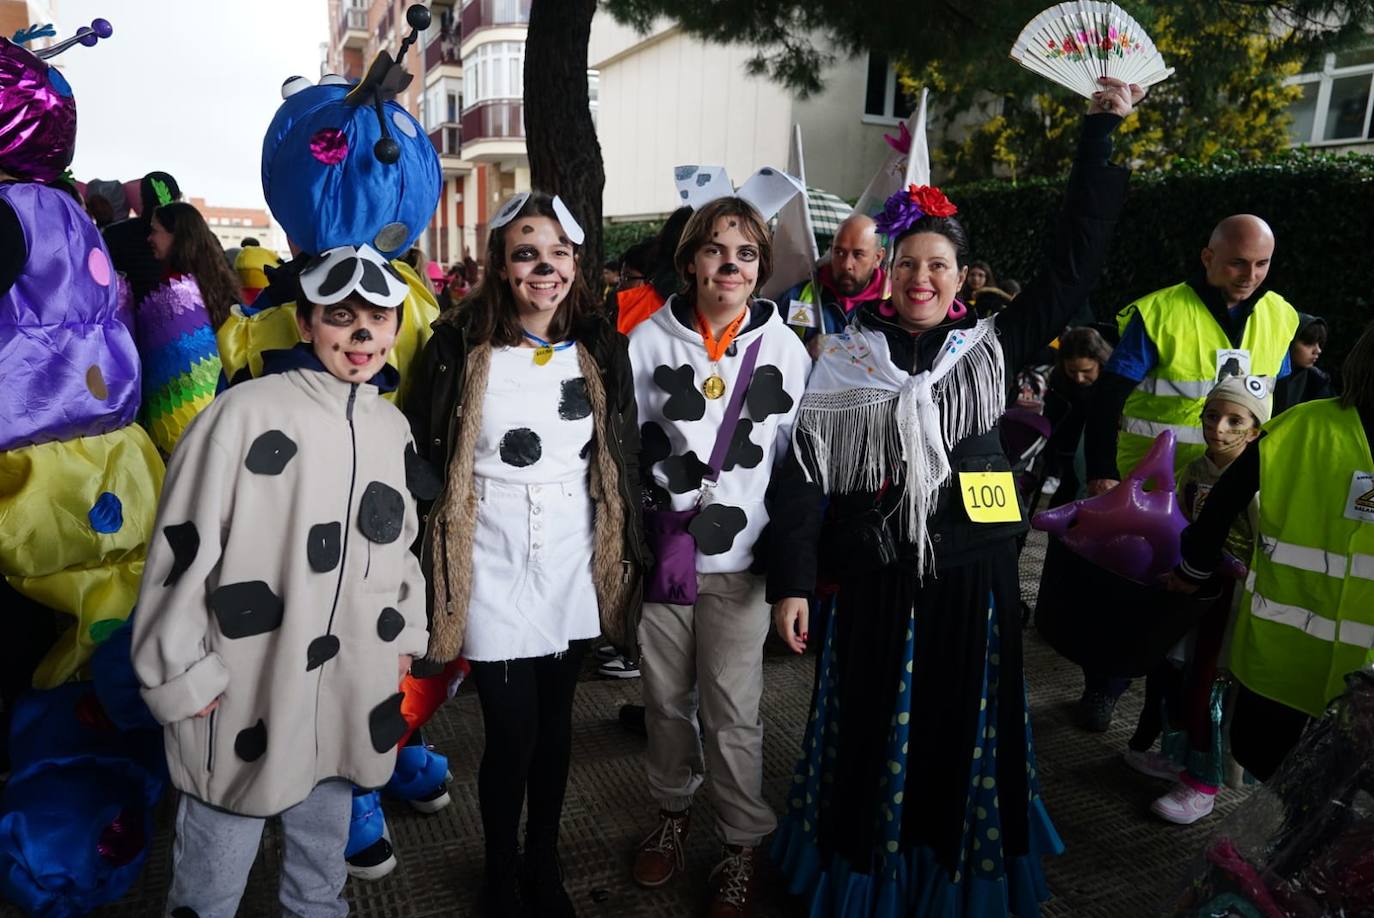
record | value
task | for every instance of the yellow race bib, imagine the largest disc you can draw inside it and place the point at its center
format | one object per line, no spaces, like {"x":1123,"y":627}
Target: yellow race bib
{"x":989,"y":497}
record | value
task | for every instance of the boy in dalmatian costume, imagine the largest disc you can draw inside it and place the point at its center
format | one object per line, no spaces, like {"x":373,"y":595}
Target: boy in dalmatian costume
{"x":702,"y":642}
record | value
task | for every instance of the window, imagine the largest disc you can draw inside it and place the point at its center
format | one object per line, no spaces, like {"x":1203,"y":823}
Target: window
{"x":495,"y":71}
{"x":452,"y":109}
{"x":883,"y":96}
{"x":1335,"y":102}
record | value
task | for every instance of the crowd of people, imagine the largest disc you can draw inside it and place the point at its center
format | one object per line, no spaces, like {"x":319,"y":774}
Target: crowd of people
{"x":329,"y":493}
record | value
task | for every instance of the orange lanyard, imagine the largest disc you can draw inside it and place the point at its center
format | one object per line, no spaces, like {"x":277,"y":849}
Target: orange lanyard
{"x":715,"y":349}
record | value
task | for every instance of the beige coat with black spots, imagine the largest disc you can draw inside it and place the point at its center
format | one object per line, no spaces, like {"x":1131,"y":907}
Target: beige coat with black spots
{"x":281,"y":581}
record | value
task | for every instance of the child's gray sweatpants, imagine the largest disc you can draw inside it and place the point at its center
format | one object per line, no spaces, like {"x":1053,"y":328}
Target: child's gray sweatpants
{"x":214,"y":850}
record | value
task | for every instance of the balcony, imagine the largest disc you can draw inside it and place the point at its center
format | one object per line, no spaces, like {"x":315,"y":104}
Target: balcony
{"x":448,"y":141}
{"x":505,"y":20}
{"x":494,"y":131}
{"x":441,"y":58}
{"x":352,"y":32}
{"x":485,"y":14}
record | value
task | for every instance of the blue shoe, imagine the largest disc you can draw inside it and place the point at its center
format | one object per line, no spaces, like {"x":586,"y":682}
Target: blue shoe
{"x":421,"y":777}
{"x":368,"y":852}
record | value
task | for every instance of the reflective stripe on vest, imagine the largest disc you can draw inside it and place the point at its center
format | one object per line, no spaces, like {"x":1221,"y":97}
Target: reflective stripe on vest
{"x":1187,"y":338}
{"x":1151,"y":429}
{"x":1307,"y":617}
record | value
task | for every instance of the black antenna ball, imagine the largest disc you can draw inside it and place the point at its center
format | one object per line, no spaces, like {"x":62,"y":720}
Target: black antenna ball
{"x":387,"y":150}
{"x":417,"y":17}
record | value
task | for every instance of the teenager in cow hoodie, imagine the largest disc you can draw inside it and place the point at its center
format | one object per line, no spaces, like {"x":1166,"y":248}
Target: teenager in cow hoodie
{"x":702,"y":640}
{"x":523,"y":399}
{"x":280,"y":603}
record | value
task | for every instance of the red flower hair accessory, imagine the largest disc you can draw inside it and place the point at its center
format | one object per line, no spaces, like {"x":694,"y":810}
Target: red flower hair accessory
{"x":911,"y":204}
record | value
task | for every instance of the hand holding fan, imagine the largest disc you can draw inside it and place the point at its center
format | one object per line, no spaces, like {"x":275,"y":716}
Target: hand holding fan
{"x":1075,"y":44}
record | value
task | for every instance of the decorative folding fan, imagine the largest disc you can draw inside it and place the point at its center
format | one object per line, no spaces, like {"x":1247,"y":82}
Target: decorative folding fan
{"x":1076,"y":43}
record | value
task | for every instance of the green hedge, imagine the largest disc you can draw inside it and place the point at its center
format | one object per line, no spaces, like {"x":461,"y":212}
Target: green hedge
{"x":617,"y":237}
{"x":1321,"y":209}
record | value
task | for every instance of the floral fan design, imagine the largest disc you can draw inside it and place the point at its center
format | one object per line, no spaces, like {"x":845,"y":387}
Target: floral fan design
{"x":1076,"y":43}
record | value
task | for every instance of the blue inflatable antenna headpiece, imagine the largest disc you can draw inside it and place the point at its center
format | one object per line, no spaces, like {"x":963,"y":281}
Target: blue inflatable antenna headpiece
{"x":344,"y":164}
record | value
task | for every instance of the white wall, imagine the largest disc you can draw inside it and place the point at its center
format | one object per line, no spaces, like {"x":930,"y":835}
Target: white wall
{"x":673,"y":100}
{"x":843,"y":151}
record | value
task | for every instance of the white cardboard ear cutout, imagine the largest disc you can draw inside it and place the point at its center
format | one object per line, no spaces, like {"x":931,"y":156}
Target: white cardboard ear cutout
{"x":294,"y":85}
{"x":508,"y":210}
{"x":571,"y":227}
{"x":314,"y":276}
{"x":700,"y":185}
{"x":769,"y":189}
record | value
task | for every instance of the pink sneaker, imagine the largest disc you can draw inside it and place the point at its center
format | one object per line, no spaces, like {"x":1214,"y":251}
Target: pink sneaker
{"x":1183,"y":805}
{"x":1154,"y":764}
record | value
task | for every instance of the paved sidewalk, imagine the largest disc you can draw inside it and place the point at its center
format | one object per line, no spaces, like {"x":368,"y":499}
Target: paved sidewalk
{"x":1120,"y":863}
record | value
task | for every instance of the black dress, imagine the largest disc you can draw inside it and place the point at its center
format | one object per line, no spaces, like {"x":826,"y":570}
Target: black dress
{"x":916,"y":792}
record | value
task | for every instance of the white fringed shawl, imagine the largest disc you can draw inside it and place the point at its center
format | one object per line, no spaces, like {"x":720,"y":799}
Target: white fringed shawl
{"x":864,"y":419}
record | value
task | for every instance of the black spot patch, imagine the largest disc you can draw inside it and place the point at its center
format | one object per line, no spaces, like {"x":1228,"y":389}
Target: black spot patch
{"x":323,"y":546}
{"x":184,"y":539}
{"x":321,"y":650}
{"x":521,"y":447}
{"x":684,"y":473}
{"x":251,"y":743}
{"x":766,"y":394}
{"x":386,"y":725}
{"x":715,"y":528}
{"x":270,"y":453}
{"x":389,"y":624}
{"x":742,"y":452}
{"x":573,"y":404}
{"x":183,"y":911}
{"x":585,"y":451}
{"x":654,"y":445}
{"x":685,"y":402}
{"x":245,"y":609}
{"x":381,"y":513}
{"x":422,"y":480}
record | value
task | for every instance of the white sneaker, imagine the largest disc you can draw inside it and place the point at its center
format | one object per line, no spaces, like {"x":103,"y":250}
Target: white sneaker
{"x":618,"y":668}
{"x":1183,"y":805}
{"x":1154,"y":764}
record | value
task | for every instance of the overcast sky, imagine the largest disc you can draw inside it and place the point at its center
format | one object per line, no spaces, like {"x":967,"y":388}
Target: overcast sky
{"x":188,"y":87}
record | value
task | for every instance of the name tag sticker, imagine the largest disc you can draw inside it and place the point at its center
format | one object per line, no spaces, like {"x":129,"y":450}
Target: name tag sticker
{"x":1232,"y":362}
{"x":1359,"y":505}
{"x":990,"y":497}
{"x":802,"y":315}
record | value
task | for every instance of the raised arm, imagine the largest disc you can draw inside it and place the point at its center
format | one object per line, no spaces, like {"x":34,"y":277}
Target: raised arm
{"x":1077,"y":247}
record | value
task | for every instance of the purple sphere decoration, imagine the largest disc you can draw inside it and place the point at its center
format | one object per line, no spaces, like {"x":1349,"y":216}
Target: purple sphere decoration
{"x":102,"y":27}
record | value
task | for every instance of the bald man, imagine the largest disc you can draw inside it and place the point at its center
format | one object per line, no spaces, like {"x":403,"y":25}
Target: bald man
{"x":1176,"y":345}
{"x":852,"y":277}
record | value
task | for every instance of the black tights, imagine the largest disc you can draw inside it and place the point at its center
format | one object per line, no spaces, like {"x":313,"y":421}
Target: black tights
{"x":527,"y":714}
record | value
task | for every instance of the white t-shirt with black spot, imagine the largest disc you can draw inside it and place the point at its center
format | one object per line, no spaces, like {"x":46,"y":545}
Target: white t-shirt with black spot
{"x":532,"y":587}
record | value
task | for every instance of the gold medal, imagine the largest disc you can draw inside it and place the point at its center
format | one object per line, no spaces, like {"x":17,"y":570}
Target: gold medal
{"x":542,"y":355}
{"x":714,"y":387}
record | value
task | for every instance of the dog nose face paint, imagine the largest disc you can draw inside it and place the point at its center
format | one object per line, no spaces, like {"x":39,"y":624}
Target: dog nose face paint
{"x":540,"y":263}
{"x":729,"y":268}
{"x":362,"y":335}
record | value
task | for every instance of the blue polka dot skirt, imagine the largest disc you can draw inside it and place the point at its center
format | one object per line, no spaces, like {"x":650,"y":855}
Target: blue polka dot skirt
{"x":899,"y":880}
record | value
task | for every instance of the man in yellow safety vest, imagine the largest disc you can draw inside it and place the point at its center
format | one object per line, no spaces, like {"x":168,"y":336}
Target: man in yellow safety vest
{"x":1179,"y":342}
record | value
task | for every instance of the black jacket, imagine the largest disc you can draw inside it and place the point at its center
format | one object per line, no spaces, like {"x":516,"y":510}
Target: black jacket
{"x":1073,"y":259}
{"x":433,"y":407}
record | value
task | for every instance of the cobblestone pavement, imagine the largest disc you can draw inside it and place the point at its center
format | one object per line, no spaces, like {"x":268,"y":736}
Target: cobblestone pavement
{"x":1120,"y":861}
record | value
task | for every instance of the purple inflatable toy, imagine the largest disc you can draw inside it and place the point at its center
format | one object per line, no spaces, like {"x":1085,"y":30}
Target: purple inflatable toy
{"x":1130,"y":531}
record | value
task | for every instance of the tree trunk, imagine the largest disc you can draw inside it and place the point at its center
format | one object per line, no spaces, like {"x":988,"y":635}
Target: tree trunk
{"x":560,"y":137}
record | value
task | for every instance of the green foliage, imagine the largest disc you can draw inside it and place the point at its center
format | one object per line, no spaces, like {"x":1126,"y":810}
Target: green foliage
{"x":1318,"y":205}
{"x":617,"y":237}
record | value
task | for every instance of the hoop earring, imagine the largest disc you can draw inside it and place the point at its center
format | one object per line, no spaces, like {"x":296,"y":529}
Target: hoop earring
{"x":886,"y":309}
{"x":958,"y":310}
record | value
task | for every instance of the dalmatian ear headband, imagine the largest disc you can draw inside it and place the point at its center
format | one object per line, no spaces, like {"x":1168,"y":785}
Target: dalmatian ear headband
{"x":767,"y":190}
{"x":566,"y":220}
{"x":337,"y":273}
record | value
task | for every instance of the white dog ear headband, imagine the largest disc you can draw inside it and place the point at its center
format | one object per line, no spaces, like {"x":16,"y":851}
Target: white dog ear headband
{"x":571,"y":228}
{"x":346,"y":270}
{"x":767,"y":190}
